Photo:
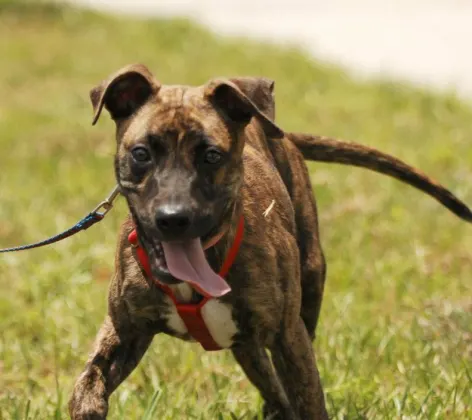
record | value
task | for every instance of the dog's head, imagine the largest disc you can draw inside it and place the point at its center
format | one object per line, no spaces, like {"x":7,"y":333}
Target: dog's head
{"x":179,"y":152}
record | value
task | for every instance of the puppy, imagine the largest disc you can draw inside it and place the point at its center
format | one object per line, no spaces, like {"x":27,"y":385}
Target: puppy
{"x":221,"y":245}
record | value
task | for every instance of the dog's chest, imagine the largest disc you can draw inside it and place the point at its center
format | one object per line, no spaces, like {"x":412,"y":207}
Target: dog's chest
{"x":217,"y":317}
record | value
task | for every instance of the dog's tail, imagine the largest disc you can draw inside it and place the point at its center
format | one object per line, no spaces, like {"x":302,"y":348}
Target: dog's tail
{"x":324,"y":149}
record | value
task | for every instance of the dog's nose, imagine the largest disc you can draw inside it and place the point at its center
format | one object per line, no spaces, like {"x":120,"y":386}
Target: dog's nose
{"x":173,"y":220}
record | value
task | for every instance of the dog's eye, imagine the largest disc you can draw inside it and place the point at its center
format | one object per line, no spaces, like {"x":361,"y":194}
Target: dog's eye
{"x":141,"y":154}
{"x":212,"y":157}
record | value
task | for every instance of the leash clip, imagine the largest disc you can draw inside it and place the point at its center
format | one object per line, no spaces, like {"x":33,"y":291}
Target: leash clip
{"x":95,"y":216}
{"x":107,"y":204}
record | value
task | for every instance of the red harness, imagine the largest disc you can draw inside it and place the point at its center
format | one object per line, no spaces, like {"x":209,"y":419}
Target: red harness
{"x":191,"y":313}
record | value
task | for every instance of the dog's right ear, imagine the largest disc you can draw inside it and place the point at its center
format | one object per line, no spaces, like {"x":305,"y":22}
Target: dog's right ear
{"x":124,"y":93}
{"x":259,"y":90}
{"x":236,"y":107}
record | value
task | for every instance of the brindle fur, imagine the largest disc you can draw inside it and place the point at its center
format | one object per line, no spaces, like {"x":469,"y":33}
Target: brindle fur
{"x":278,"y":277}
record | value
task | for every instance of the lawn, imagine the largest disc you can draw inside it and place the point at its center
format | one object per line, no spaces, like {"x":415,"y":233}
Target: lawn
{"x":395,"y":334}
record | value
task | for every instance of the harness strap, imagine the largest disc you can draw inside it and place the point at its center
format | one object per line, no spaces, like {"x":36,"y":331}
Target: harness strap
{"x":94,"y":217}
{"x":191,"y":313}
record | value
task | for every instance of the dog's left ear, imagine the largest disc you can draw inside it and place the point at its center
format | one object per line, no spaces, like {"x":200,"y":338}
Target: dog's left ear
{"x":237,"y":107}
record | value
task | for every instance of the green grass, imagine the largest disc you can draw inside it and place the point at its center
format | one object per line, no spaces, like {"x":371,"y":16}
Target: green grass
{"x":395,"y":335}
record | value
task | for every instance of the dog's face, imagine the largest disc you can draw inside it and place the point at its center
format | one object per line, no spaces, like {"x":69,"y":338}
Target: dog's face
{"x":179,"y":153}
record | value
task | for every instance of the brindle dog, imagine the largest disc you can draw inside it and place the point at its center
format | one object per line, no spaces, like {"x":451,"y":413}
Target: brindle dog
{"x":190,"y":161}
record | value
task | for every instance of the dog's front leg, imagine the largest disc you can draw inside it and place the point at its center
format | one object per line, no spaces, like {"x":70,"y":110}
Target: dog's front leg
{"x":256,"y":364}
{"x":295,"y":363}
{"x":115,"y":356}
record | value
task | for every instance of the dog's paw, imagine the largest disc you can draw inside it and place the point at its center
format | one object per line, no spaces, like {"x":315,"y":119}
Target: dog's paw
{"x":88,"y":413}
{"x":87,"y":408}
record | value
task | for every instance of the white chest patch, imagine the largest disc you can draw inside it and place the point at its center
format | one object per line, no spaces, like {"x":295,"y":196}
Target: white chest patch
{"x":219,"y":321}
{"x":174,"y":321}
{"x":217,"y":316}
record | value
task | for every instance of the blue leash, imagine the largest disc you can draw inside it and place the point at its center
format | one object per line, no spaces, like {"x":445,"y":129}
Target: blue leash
{"x":95,"y":216}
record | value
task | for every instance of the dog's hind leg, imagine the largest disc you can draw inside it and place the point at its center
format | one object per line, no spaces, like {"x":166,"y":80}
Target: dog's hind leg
{"x":257,"y":366}
{"x":313,"y":274}
{"x":312,"y":261}
{"x":116,"y":354}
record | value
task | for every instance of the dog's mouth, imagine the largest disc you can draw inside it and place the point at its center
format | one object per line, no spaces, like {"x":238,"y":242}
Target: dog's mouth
{"x":173,"y":262}
{"x":158,"y":262}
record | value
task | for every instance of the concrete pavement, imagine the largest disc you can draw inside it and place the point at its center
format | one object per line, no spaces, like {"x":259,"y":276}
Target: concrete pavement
{"x":427,"y":42}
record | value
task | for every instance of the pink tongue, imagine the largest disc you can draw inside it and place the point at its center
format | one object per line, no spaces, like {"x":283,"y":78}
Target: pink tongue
{"x":187,"y":262}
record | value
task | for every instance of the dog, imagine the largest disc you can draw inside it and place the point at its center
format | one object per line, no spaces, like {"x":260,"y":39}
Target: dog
{"x":213,"y":185}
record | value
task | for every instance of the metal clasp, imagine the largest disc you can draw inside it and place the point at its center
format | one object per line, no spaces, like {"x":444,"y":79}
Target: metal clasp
{"x":107,"y":204}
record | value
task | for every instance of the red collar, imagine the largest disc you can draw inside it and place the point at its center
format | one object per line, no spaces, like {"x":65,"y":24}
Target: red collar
{"x":191,"y":312}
